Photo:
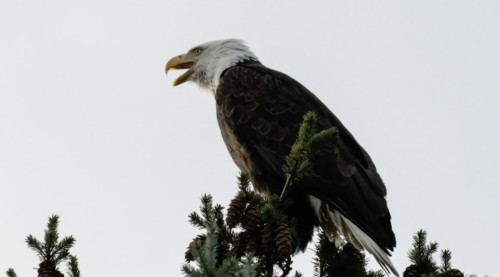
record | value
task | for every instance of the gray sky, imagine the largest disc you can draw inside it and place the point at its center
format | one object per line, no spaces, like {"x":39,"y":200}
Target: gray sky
{"x":92,"y":130}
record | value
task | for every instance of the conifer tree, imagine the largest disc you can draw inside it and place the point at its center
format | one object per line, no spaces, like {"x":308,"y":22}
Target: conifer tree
{"x":206,"y":250}
{"x":421,"y":257}
{"x":51,"y":251}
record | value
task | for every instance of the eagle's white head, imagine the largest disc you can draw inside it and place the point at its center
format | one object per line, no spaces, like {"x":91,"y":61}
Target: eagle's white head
{"x":206,"y":62}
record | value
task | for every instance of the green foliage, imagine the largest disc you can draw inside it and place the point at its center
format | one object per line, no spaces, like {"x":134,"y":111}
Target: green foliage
{"x":308,"y":144}
{"x":11,"y":273}
{"x":260,"y":241}
{"x":423,"y":264}
{"x":209,"y":213}
{"x":206,"y":257}
{"x":51,"y":249}
{"x":207,"y":252}
{"x":344,"y":260}
{"x":73,"y":270}
{"x":265,"y":230}
{"x":446,"y":260}
{"x":256,"y":239}
{"x":421,"y":254}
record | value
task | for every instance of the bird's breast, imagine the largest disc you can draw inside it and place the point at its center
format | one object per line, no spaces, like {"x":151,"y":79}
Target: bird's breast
{"x":238,"y":152}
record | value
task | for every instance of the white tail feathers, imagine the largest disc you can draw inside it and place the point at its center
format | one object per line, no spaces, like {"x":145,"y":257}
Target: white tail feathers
{"x":336,"y":226}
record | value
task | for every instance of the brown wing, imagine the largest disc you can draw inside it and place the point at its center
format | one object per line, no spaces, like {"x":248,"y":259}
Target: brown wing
{"x":260,"y":111}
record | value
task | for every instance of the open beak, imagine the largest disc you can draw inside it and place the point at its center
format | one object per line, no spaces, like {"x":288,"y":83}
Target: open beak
{"x":180,"y":62}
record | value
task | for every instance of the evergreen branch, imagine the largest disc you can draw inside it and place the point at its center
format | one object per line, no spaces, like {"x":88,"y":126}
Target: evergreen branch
{"x":229,"y":267}
{"x":11,"y":273}
{"x":50,"y":240}
{"x":219,"y":216}
{"x":208,"y":212}
{"x":248,"y":268}
{"x":431,"y":249}
{"x":285,"y":266}
{"x":206,"y":208}
{"x":60,"y":256}
{"x":196,"y":220}
{"x":344,"y":260}
{"x":308,"y":126}
{"x":61,"y":251}
{"x":74,"y":271}
{"x":446,"y":259}
{"x":309,"y":143}
{"x":52,"y":251}
{"x":297,"y":161}
{"x":244,"y":181}
{"x":322,"y":138}
{"x":35,"y":245}
{"x":418,"y":250}
{"x":65,"y":243}
{"x":53,"y":223}
{"x":191,"y":271}
{"x":51,"y":237}
{"x":208,"y":252}
{"x":421,"y":254}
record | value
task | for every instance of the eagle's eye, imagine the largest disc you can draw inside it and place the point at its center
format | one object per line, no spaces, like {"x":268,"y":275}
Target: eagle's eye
{"x":197,"y":51}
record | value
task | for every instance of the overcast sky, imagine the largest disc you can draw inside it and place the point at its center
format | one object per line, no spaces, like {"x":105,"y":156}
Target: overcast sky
{"x":92,"y":129}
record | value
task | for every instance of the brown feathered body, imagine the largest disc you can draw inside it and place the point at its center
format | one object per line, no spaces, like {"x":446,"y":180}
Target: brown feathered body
{"x":259,"y":111}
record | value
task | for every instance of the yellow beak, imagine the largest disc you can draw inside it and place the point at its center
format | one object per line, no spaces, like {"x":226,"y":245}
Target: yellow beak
{"x":180,"y":62}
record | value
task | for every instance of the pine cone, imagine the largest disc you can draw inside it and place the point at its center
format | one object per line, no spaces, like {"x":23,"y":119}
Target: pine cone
{"x":452,"y":273}
{"x":283,"y":240}
{"x":196,"y":243}
{"x":267,"y":239}
{"x":48,"y":269}
{"x":353,"y":253}
{"x":239,"y":244}
{"x":253,"y":235}
{"x":411,"y":271}
{"x":251,"y":218}
{"x":235,"y":210}
{"x":189,"y":255}
{"x":252,"y":245}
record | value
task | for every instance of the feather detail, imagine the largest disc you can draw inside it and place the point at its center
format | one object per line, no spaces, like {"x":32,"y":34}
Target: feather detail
{"x":218,"y":56}
{"x":337,"y":227}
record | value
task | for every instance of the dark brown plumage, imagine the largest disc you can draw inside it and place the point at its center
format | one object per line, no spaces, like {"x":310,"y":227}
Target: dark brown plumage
{"x":259,"y":111}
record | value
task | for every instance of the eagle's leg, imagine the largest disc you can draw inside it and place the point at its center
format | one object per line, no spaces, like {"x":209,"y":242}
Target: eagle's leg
{"x":287,"y":184}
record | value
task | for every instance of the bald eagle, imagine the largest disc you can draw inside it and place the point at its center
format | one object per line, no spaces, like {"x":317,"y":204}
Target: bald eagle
{"x":259,"y":111}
